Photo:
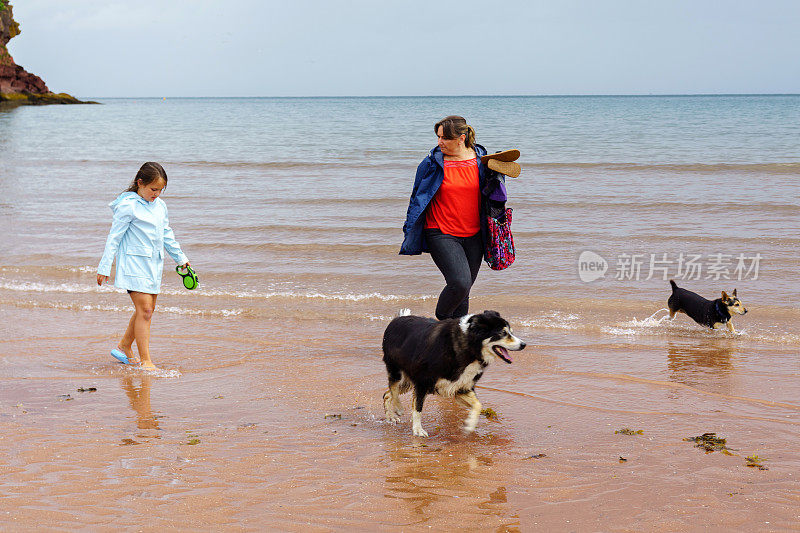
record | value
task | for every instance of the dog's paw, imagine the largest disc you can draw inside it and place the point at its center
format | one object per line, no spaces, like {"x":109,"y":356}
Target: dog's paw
{"x":419,"y":432}
{"x":392,"y":418}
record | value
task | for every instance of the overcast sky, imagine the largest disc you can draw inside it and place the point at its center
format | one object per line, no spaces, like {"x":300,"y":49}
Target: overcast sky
{"x":370,"y":47}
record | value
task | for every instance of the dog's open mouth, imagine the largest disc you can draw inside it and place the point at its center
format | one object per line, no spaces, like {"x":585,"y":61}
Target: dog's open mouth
{"x":502,"y":353}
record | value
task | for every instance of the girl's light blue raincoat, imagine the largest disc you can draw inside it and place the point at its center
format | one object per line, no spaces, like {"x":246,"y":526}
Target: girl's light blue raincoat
{"x":139,"y":234}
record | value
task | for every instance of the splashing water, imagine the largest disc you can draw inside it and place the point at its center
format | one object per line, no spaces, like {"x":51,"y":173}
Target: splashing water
{"x":650,"y":321}
{"x":635,"y":326}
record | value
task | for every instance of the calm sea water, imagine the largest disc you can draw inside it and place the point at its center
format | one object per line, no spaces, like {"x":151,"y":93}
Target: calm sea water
{"x":305,"y":198}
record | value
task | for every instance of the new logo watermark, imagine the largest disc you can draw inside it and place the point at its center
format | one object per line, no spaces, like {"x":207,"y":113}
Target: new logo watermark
{"x":635,"y":266}
{"x":591,"y":266}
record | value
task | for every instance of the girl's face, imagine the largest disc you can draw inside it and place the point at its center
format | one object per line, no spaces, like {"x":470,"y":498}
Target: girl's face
{"x":152,"y":190}
{"x":450,"y":146}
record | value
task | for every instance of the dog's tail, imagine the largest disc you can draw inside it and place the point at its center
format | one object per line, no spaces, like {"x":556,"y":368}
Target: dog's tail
{"x":404,"y":312}
{"x":672,"y":301}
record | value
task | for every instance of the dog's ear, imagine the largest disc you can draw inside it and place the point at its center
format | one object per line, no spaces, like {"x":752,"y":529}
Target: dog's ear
{"x":482,"y":323}
{"x":476,"y":325}
{"x":734,"y":293}
{"x":491,"y":320}
{"x":724,"y":296}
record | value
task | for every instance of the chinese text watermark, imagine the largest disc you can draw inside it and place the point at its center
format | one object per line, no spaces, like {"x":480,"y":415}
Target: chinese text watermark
{"x":685,"y":266}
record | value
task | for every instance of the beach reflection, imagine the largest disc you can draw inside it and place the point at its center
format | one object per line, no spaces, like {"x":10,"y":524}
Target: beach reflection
{"x":706,"y":365}
{"x":431,"y":476}
{"x":139,"y":398}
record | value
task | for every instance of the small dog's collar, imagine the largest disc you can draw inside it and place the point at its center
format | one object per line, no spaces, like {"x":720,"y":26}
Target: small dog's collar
{"x":725,"y":316}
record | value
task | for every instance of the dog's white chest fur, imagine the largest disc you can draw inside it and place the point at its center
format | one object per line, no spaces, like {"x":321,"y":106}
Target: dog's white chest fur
{"x":445,"y":387}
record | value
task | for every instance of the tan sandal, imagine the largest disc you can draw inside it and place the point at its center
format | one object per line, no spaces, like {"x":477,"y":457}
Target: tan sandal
{"x":509,"y":168}
{"x":506,"y":156}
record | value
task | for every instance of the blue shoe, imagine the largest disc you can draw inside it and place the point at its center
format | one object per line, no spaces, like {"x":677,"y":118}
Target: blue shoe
{"x":120,"y":356}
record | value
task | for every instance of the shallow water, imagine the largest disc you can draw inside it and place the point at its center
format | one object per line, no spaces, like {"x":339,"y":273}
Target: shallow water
{"x":267,"y":411}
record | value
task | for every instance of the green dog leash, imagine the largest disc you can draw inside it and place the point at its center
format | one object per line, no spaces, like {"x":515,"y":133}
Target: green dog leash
{"x":190,"y":280}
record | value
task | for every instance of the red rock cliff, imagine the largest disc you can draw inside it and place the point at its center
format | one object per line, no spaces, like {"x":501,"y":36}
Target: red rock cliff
{"x":18,"y":86}
{"x":13,"y":78}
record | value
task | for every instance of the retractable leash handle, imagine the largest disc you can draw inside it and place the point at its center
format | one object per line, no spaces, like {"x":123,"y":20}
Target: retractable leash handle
{"x":190,"y":279}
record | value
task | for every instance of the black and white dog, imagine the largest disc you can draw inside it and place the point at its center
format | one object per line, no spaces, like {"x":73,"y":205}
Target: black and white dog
{"x":710,"y":313}
{"x":444,"y":357}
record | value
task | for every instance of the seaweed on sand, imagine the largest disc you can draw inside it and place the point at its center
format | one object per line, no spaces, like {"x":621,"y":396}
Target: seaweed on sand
{"x":754,"y":461}
{"x":537,"y":456}
{"x":627,"y":431}
{"x":710,"y":443}
{"x":490,"y":414}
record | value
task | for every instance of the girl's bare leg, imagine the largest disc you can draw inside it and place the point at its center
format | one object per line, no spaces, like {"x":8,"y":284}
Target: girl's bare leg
{"x":145,"y":304}
{"x":126,"y":343}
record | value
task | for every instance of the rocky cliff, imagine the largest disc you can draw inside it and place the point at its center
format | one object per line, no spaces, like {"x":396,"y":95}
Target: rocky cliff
{"x":18,"y":86}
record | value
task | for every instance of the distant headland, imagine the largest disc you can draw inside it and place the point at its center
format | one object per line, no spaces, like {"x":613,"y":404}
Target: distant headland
{"x":18,"y":86}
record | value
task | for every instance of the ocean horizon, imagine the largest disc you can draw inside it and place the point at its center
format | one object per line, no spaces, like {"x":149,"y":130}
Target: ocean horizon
{"x":567,"y":95}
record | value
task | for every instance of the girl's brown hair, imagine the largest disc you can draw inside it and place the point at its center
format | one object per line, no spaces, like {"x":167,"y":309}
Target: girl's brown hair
{"x":148,"y":173}
{"x":454,"y":126}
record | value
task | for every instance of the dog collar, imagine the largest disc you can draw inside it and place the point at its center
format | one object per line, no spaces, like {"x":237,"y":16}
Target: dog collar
{"x":725,"y":316}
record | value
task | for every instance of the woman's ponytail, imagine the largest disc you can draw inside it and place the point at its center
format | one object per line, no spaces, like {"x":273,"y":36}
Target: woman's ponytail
{"x":469,"y":141}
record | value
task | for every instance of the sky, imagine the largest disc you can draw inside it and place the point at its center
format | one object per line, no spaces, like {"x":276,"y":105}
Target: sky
{"x":171,"y":48}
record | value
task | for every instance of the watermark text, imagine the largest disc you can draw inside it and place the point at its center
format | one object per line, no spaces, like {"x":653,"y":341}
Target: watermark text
{"x":664,"y":266}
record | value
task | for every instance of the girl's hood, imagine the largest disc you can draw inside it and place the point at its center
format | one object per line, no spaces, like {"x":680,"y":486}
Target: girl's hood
{"x":126,"y":197}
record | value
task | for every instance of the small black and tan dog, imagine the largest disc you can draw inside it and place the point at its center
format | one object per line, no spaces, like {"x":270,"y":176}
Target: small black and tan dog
{"x":711,"y":313}
{"x":444,"y":357}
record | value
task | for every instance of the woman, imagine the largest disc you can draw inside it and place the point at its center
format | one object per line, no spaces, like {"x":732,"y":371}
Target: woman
{"x":445,"y":213}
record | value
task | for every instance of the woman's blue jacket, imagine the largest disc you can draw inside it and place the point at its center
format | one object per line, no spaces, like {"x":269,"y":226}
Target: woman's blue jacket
{"x":430,"y":174}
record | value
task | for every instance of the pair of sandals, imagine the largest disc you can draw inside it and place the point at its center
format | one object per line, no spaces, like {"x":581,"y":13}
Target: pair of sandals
{"x":503,"y":162}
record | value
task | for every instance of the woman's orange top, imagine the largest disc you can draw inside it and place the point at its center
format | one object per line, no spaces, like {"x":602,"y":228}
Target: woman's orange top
{"x":455,"y":209}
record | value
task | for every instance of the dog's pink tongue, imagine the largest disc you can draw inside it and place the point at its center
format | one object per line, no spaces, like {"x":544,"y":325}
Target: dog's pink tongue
{"x":503,"y":353}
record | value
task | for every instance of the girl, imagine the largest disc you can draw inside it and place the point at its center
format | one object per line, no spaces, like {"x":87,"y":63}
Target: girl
{"x":139,"y":234}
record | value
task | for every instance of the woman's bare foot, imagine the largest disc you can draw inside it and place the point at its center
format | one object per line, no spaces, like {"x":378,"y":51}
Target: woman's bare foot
{"x":129,"y":354}
{"x":149,"y":365}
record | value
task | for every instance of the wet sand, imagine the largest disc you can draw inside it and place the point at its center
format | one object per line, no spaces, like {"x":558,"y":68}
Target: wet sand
{"x":276,"y":424}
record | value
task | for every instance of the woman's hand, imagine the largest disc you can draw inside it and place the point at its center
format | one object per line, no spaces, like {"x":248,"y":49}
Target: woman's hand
{"x":101,"y":278}
{"x":186,"y":264}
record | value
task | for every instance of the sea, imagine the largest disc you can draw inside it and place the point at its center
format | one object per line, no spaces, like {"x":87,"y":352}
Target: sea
{"x":291,"y":212}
